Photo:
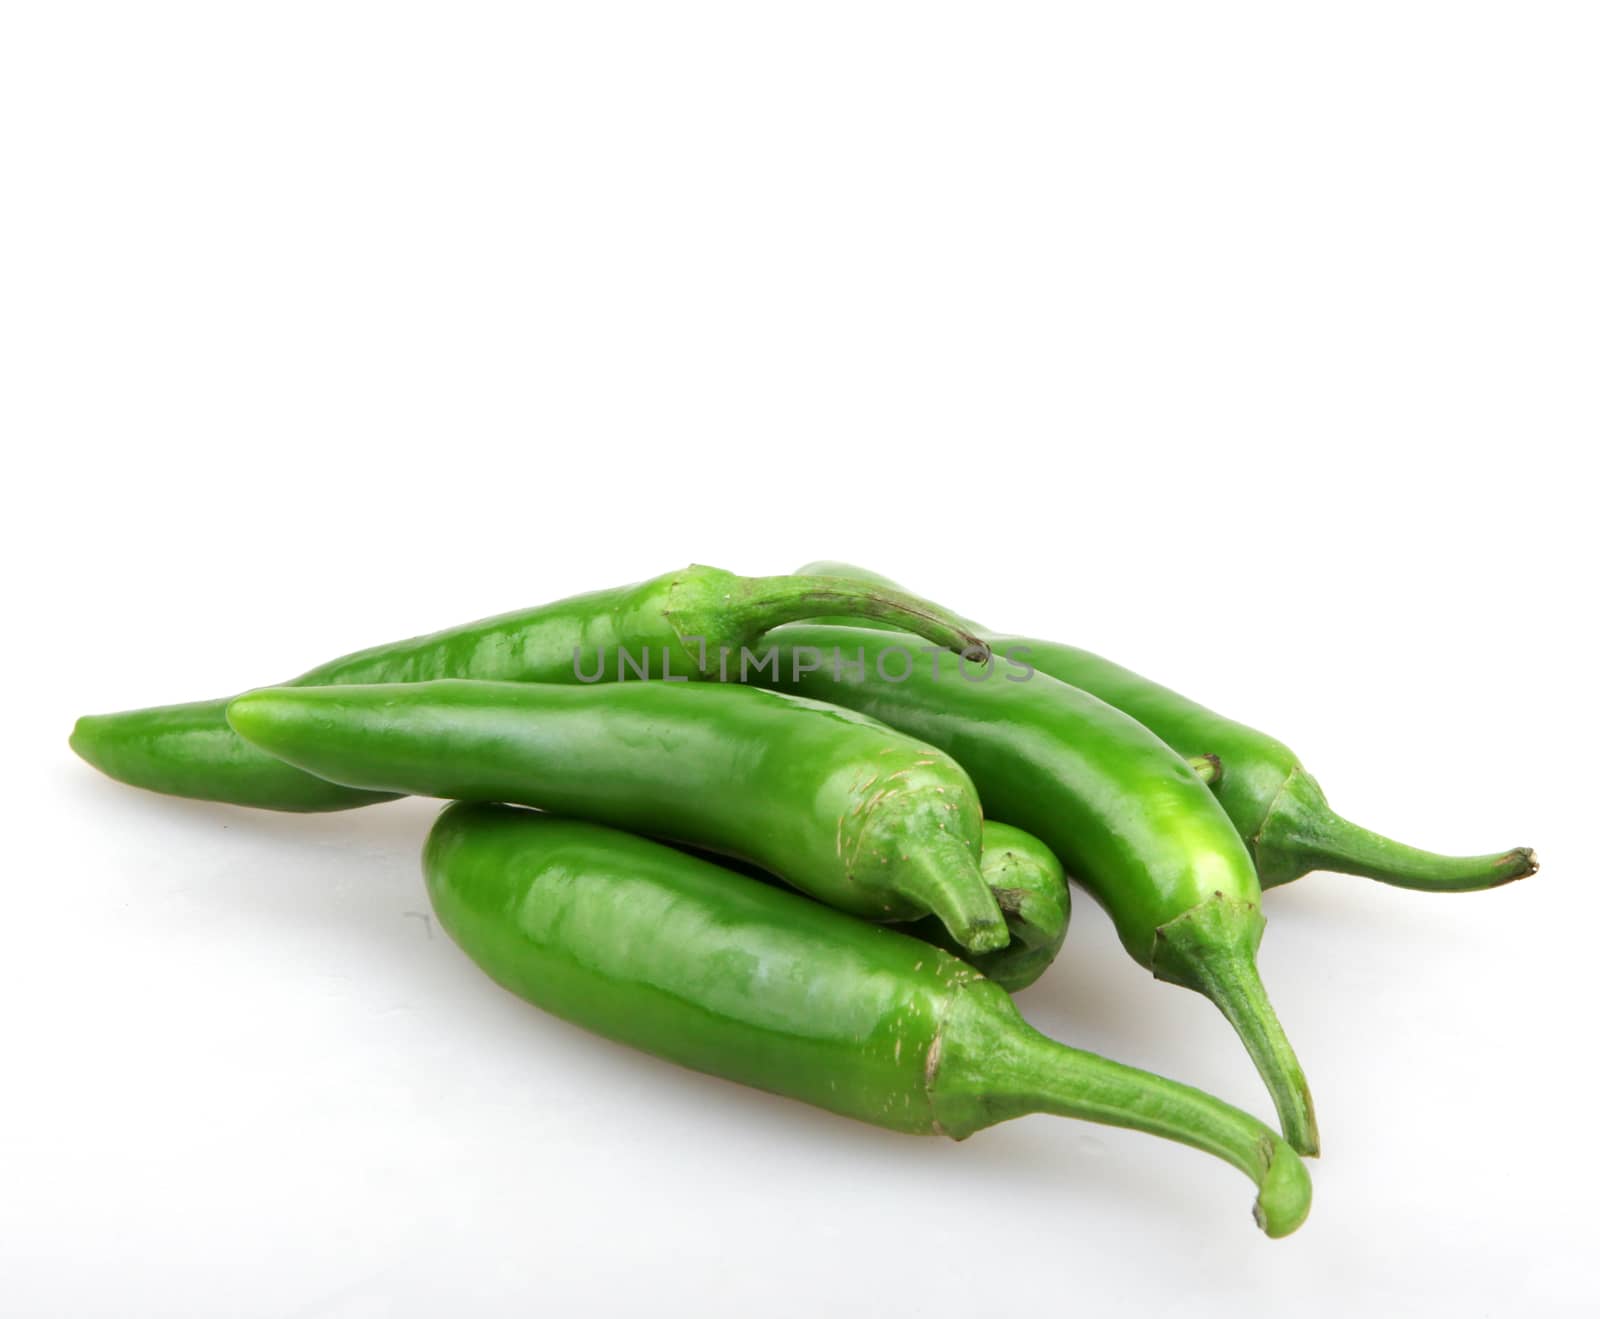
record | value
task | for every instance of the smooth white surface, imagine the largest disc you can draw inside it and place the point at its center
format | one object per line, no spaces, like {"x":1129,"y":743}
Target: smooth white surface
{"x":1251,"y":345}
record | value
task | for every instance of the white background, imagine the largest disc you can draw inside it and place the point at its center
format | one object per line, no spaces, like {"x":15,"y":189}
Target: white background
{"x":1253,"y":345}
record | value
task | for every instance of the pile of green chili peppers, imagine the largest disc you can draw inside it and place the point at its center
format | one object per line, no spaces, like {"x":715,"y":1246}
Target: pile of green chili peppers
{"x":810,"y":832}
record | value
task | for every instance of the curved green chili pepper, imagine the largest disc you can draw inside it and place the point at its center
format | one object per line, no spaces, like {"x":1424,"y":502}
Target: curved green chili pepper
{"x":668,"y":625}
{"x":672,"y":955}
{"x":1277,"y":807}
{"x":1126,"y":815}
{"x":1031,"y":888}
{"x":864,"y":818}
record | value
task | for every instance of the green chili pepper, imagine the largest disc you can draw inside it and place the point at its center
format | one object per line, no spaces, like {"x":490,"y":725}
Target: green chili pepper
{"x":849,"y":811}
{"x":1028,"y":883}
{"x":1274,"y":803}
{"x":667,"y":626}
{"x":1126,"y":815}
{"x":670,"y":954}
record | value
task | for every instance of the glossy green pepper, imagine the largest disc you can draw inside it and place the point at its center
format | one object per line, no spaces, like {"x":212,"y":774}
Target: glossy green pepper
{"x":1127,"y":816}
{"x":662,"y":628}
{"x":673,"y":955}
{"x":1274,"y":803}
{"x":858,"y":815}
{"x":1031,"y":888}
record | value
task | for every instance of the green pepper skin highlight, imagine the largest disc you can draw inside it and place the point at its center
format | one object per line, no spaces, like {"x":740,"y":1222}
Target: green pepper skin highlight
{"x":1128,"y":817}
{"x":669,"y":624}
{"x":1276,"y":805}
{"x":1031,"y":888}
{"x":853,"y":813}
{"x":672,"y":955}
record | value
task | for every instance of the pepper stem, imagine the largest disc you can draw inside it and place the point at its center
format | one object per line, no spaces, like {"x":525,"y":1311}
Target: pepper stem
{"x":1207,"y":768}
{"x":942,"y":875}
{"x":1302,"y":833}
{"x":1073,"y":1083}
{"x":1031,"y":891}
{"x":757,"y":604}
{"x":833,"y":568}
{"x":992,"y":1069}
{"x":1211,"y":949}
